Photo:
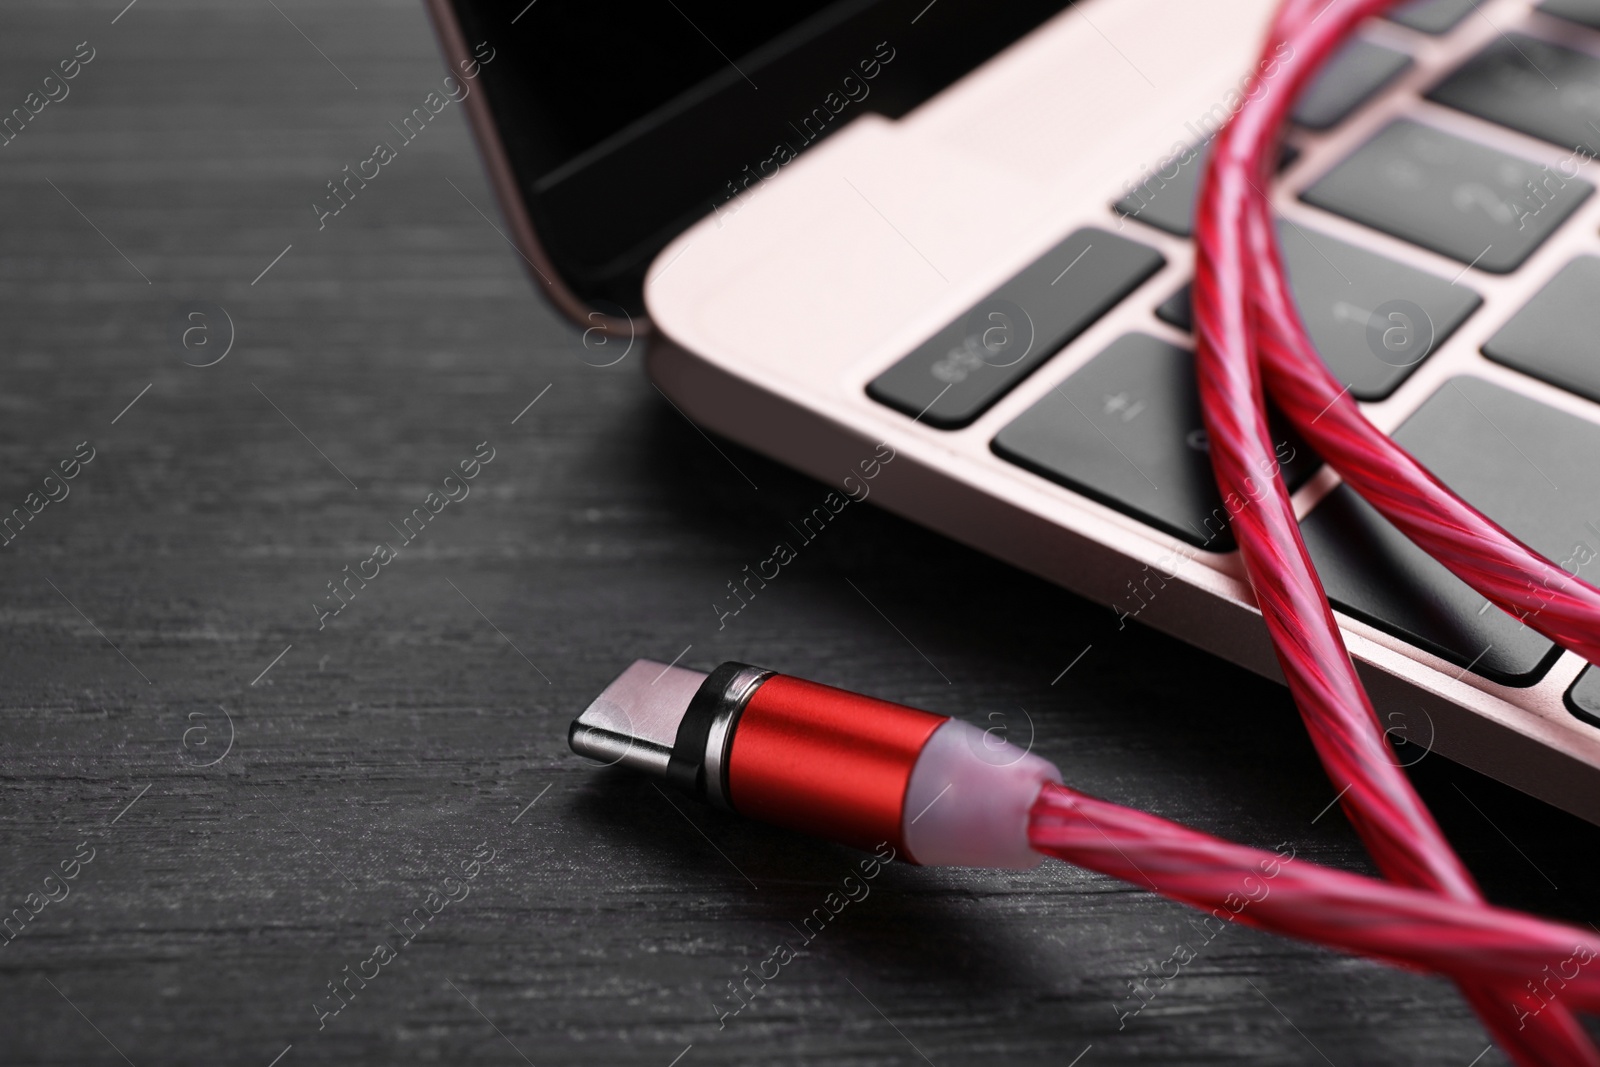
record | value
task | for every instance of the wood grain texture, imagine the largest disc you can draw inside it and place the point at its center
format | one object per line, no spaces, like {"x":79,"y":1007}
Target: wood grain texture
{"x":378,"y":753}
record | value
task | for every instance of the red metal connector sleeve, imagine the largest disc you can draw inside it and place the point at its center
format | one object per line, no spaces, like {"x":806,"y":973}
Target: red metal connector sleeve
{"x":826,"y":761}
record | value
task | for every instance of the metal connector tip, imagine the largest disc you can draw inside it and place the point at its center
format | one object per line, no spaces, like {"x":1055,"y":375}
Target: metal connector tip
{"x":634,"y":722}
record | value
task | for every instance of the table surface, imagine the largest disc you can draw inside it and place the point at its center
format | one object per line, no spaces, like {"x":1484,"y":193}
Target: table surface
{"x":266,"y":798}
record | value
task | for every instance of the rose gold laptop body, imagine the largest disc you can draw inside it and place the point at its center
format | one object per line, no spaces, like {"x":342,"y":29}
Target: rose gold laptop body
{"x":768,"y":318}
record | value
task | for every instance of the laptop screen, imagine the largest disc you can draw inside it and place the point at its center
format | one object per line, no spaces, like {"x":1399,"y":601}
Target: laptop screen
{"x":624,"y":123}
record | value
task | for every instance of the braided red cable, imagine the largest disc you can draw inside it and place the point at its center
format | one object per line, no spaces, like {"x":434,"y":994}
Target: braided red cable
{"x":1475,"y":549}
{"x":1271,"y":891}
{"x":1397,"y":829}
{"x":1241,"y":302}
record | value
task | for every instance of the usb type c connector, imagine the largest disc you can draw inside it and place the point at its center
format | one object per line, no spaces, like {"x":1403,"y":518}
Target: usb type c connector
{"x":821,"y":760}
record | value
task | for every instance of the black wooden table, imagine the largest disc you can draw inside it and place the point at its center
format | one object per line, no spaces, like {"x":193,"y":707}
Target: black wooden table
{"x":252,"y":794}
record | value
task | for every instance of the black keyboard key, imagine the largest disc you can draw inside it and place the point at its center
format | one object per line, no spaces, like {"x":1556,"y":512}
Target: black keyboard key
{"x":1464,"y":200}
{"x":1125,"y":429}
{"x":1373,"y":320}
{"x":1557,"y":336}
{"x":1351,"y":78}
{"x":1583,"y":699}
{"x":955,"y":375}
{"x":1539,"y":89}
{"x":1432,"y":16}
{"x":1586,"y":12}
{"x":1178,"y":310}
{"x":1166,"y":197}
{"x":1529,"y":467}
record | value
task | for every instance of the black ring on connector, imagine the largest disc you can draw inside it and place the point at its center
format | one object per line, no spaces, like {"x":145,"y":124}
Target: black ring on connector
{"x":715,"y":698}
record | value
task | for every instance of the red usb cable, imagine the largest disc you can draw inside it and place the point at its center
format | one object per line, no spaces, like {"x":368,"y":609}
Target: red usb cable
{"x":939,"y":791}
{"x":1243,"y":319}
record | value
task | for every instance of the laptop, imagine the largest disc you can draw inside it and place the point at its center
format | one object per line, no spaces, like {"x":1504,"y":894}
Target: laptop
{"x":957,"y":235}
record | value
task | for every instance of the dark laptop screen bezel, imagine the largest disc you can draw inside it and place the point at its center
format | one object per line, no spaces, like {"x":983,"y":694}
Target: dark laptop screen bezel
{"x":610,"y":128}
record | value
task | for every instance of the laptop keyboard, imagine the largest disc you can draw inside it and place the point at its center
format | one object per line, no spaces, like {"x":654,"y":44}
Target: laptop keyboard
{"x":1361,"y":309}
{"x":1432,"y":16}
{"x":1351,"y":78}
{"x":1125,"y":429}
{"x":1524,"y":464}
{"x":1556,"y":337}
{"x":1459,"y":198}
{"x":955,"y":375}
{"x":1166,"y":199}
{"x":1514,"y":82}
{"x":1583,"y":699}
